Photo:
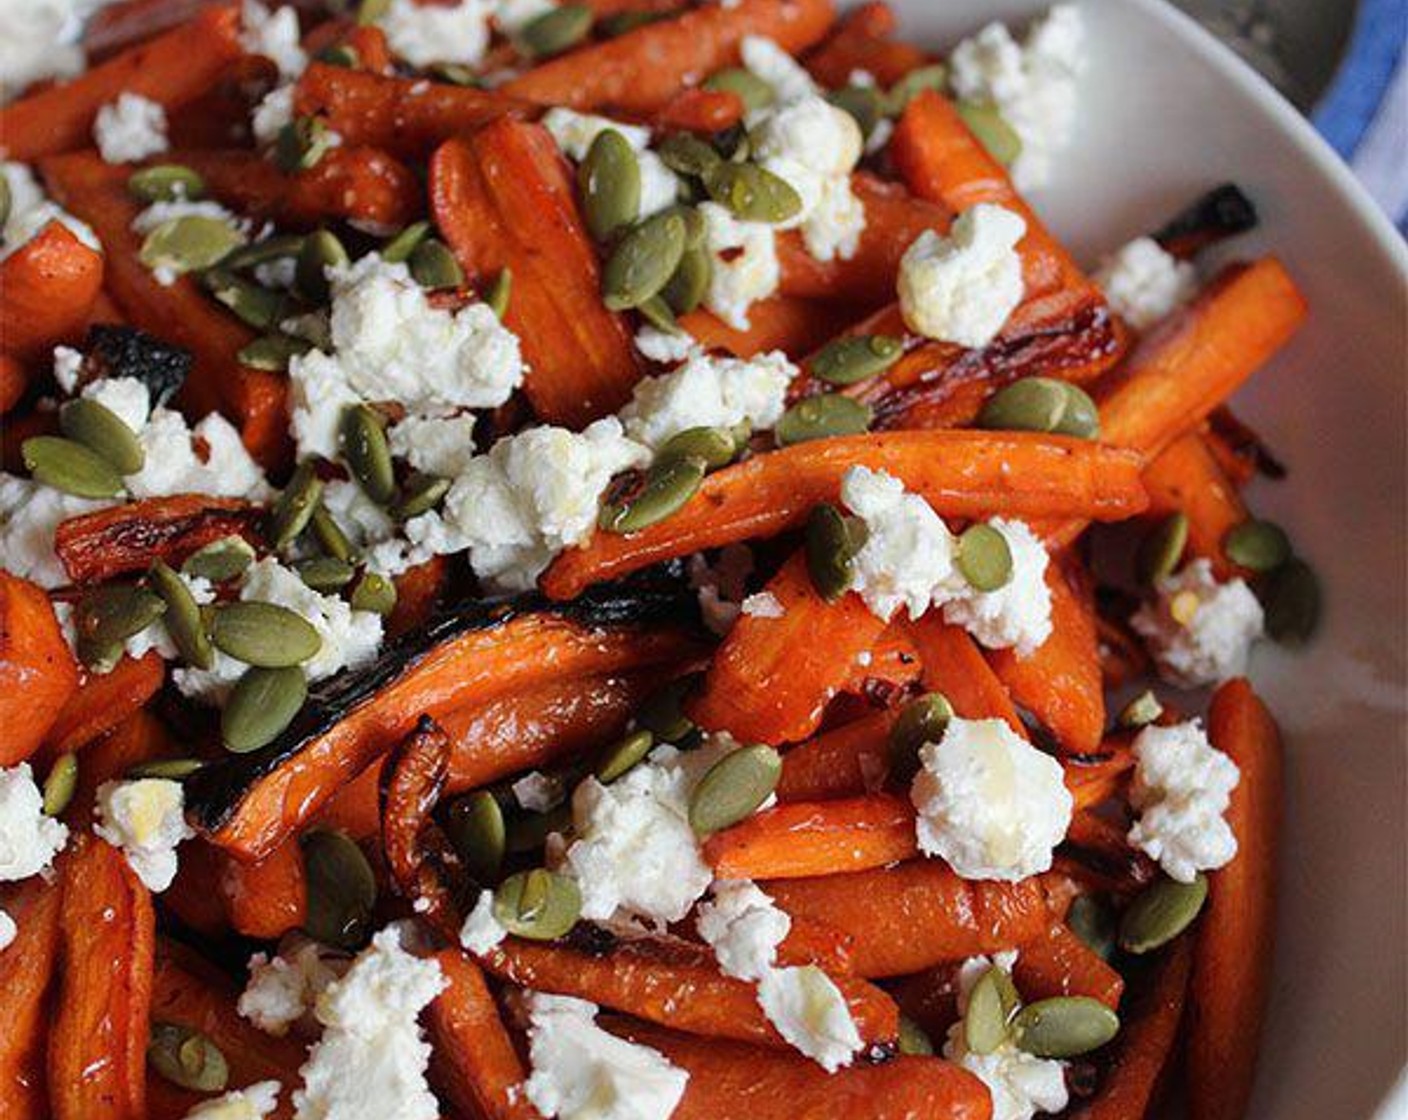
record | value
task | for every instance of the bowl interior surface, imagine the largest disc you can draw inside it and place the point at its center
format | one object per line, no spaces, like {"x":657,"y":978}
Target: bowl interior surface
{"x":1166,"y":113}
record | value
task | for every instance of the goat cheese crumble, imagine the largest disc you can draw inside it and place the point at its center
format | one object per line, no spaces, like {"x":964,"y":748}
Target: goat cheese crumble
{"x":29,"y":837}
{"x":710,"y":392}
{"x":29,"y":514}
{"x":283,"y":990}
{"x":744,"y":928}
{"x":1199,"y":629}
{"x":424,"y":34}
{"x":482,"y":930}
{"x":254,"y":1102}
{"x":1146,"y":284}
{"x":8,"y":931}
{"x":145,"y":818}
{"x":665,"y":347}
{"x":811,"y":1014}
{"x":31,"y":210}
{"x":1016,"y":615}
{"x":130,"y":128}
{"x":274,"y":35}
{"x":745,"y":264}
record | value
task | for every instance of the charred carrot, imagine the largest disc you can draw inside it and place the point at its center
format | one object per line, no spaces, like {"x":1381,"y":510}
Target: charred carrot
{"x":38,"y":677}
{"x":27,"y":972}
{"x":49,"y":284}
{"x":1187,"y":478}
{"x":794,"y":326}
{"x":103,"y":700}
{"x":1059,"y":963}
{"x":1092,"y":778}
{"x":863,"y":40}
{"x":838,"y":763}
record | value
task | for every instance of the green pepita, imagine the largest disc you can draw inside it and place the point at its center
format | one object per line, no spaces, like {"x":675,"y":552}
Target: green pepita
{"x":70,"y":467}
{"x":537,"y":904}
{"x":752,"y":193}
{"x":1291,"y":597}
{"x":340,"y":54}
{"x":662,"y":712}
{"x":500,"y":290}
{"x":367,"y":453}
{"x":734,"y":787}
{"x":914,"y":83}
{"x":321,"y":251}
{"x":923,"y":720}
{"x":434,"y":267}
{"x":187,"y":1058}
{"x":690,"y":283}
{"x":331,"y":539}
{"x":116,"y":612}
{"x":183,"y":617}
{"x":341,"y":889}
{"x":823,"y":417}
{"x":326,"y":574}
{"x":1091,"y":920}
{"x":715,"y":446}
{"x":475,"y":826}
{"x":60,"y":783}
{"x":422,"y":494}
{"x":1143,"y":710}
{"x":1064,"y":1026}
{"x":273,"y":351}
{"x":608,"y":183}
{"x":624,"y":754}
{"x":264,"y":634}
{"x":983,"y":557}
{"x":280,"y":247}
{"x":865,"y":104}
{"x":622,"y":23}
{"x":992,"y":130}
{"x":369,"y":11}
{"x":100,"y":657}
{"x":189,"y":243}
{"x":648,"y":498}
{"x":398,"y":250}
{"x":1161,"y":549}
{"x":687,"y":154}
{"x":753,"y":91}
{"x":6,"y":202}
{"x":375,"y":593}
{"x":848,"y":360}
{"x":260,"y":706}
{"x":1260,"y":546}
{"x":659,"y":315}
{"x":912,"y":1038}
{"x":643,"y":262}
{"x":1042,"y":404}
{"x":1160,"y":913}
{"x":165,"y":182}
{"x":103,"y":432}
{"x":295,"y":505}
{"x":991,"y":1003}
{"x":220,"y":560}
{"x":457,"y":74}
{"x":832,"y":542}
{"x":172,"y":769}
{"x":556,"y":31}
{"x":301,"y":144}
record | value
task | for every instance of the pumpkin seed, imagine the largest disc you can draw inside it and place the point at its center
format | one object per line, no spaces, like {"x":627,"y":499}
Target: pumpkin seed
{"x":608,"y":182}
{"x":537,"y":904}
{"x":1144,"y":709}
{"x":281,"y":247}
{"x":690,"y":283}
{"x":189,"y":243}
{"x":1161,"y":549}
{"x":475,"y":825}
{"x":116,"y":612}
{"x":865,"y":105}
{"x":1261,"y":546}
{"x":695,"y":227}
{"x":253,"y":305}
{"x":165,"y":182}
{"x":992,"y":130}
{"x":264,"y":634}
{"x":273,"y":351}
{"x":1291,"y":596}
{"x":375,"y":593}
{"x":100,"y":657}
{"x":301,"y":144}
{"x":1092,"y":921}
{"x":624,"y":754}
{"x":326,"y":574}
{"x":991,"y":1004}
{"x":984,"y":557}
{"x":341,"y":55}
{"x":183,"y":618}
{"x":715,"y":446}
{"x":434,"y":267}
{"x":662,"y":712}
{"x":70,"y":467}
{"x":687,"y":154}
{"x":365,"y":450}
{"x":622,"y":23}
{"x":529,"y":832}
{"x":260,"y":706}
{"x":914,"y":83}
{"x":295,"y":506}
{"x":457,"y":75}
{"x":341,"y":889}
{"x":101,"y":430}
{"x":1064,"y":1026}
{"x":187,"y":1058}
{"x":172,"y":769}
{"x":1160,"y":913}
{"x":331,"y":539}
{"x":822,"y":417}
{"x":832,"y":542}
{"x":659,"y":315}
{"x":369,"y":11}
{"x":422,"y":494}
{"x":753,"y":91}
{"x":500,"y":290}
{"x":321,"y":251}
{"x":752,"y":193}
{"x":1082,"y":416}
{"x":220,"y":560}
{"x":848,"y":360}
{"x":912,"y":1038}
{"x":399,"y":249}
{"x":60,"y":783}
{"x":734,"y":787}
{"x":1042,"y":404}
{"x":6,"y":202}
{"x":556,"y":31}
{"x":651,"y":498}
{"x":643,"y":262}
{"x":923,"y":720}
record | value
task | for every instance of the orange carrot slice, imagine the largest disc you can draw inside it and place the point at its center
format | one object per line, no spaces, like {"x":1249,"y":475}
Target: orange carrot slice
{"x":50,"y":283}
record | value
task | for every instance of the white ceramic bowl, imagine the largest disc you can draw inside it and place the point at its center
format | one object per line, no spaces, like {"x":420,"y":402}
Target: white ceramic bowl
{"x":1166,"y":113}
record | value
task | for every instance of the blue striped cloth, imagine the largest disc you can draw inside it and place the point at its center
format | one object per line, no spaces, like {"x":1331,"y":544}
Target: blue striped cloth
{"x":1364,"y":115}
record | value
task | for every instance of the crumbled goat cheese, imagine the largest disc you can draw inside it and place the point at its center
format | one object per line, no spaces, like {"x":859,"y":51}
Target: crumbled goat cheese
{"x":580,"y":1072}
{"x":989,"y":803}
{"x":744,"y":927}
{"x":439,"y":445}
{"x":1034,"y":86}
{"x":1199,"y":630}
{"x":254,"y":1102}
{"x":1182,"y":788}
{"x":665,"y":347}
{"x":481,"y":930}
{"x":575,"y":132}
{"x":720,"y":587}
{"x":745,"y":265}
{"x":787,"y":77}
{"x":1020,"y":1084}
{"x":1145,"y":284}
{"x":274,"y":111}
{"x":8,"y":930}
{"x":68,"y":364}
{"x":29,"y":514}
{"x":538,"y":792}
{"x":763,"y":605}
{"x":962,"y":288}
{"x":128,"y":398}
{"x":130,"y":128}
{"x":371,"y":1060}
{"x":41,"y":39}
{"x":1018,"y":614}
{"x":31,"y":211}
{"x":29,"y":838}
{"x":424,"y":34}
{"x":283,"y":990}
{"x":145,"y":818}
{"x":273,"y":34}
{"x":709,"y":392}
{"x":810,"y":1013}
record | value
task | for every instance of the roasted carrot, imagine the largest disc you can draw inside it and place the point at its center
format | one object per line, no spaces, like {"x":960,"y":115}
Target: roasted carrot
{"x":954,"y":666}
{"x":373,"y":51}
{"x":1097,"y":854}
{"x":268,"y":897}
{"x":735,"y":1081}
{"x":418,"y":592}
{"x":863,"y":40}
{"x":1187,"y":478}
{"x":1058,"y":963}
{"x":841,"y":762}
{"x":49,"y":284}
{"x":98,"y":1034}
{"x":886,"y":671}
{"x":126,"y":22}
{"x":38,"y":677}
{"x":171,"y":69}
{"x":794,"y":326}
{"x":14,"y":381}
{"x":1233,"y":945}
{"x":700,"y":110}
{"x":638,"y":73}
{"x":27,"y":971}
{"x":103,"y":700}
{"x":961,"y":474}
{"x":1092,"y":778}
{"x":139,"y":738}
{"x":503,"y":200}
{"x":419,"y":858}
{"x":906,"y":918}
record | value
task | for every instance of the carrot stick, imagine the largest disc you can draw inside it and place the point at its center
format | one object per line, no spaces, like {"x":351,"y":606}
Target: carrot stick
{"x":14,"y":382}
{"x":954,"y":666}
{"x":503,"y":200}
{"x":254,"y":400}
{"x":639,"y":72}
{"x":103,"y":700}
{"x":887,"y":670}
{"x":1097,"y":854}
{"x":862,"y":40}
{"x":802,"y":839}
{"x":1232,"y":951}
{"x":98,"y":1035}
{"x":674,"y":983}
{"x":418,"y":592}
{"x":373,"y":51}
{"x":1187,"y":478}
{"x":915,"y":915}
{"x":961,"y":474}
{"x":771,"y":679}
{"x":38,"y":676}
{"x":794,"y":326}
{"x":172,"y":69}
{"x":700,"y":110}
{"x":734,"y":1081}
{"x":27,"y":971}
{"x":1058,"y":963}
{"x":138,"y":738}
{"x":1094,"y":778}
{"x":838,"y":763}
{"x":474,"y":1064}
{"x":49,"y":284}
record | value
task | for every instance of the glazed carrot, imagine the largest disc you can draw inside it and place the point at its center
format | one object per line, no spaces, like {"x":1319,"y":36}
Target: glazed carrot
{"x":190,"y":899}
{"x":119,"y":540}
{"x":735,"y":1081}
{"x":140,"y":737}
{"x":253,"y":400}
{"x":1240,"y":448}
{"x":794,"y":326}
{"x":373,"y":52}
{"x":838,"y":763}
{"x":14,"y":381}
{"x":1093,"y":778}
{"x":27,"y":971}
{"x":49,"y":284}
{"x":103,"y":700}
{"x":954,"y":666}
{"x":961,"y":474}
{"x":98,"y":1034}
{"x":38,"y":676}
{"x":474,"y":1063}
{"x":1187,"y":477}
{"x":1058,"y":963}
{"x":906,"y":918}
{"x":418,"y":591}
{"x":701,"y":110}
{"x":862,"y":40}
{"x":771,"y":679}
{"x":1233,"y":946}
{"x":1060,"y":682}
{"x":419,"y":859}
{"x":121,"y":24}
{"x":639,"y":72}
{"x":674,"y":983}
{"x":1097,"y":854}
{"x":816,"y":943}
{"x":171,"y":69}
{"x":802,"y":839}
{"x":886,"y":671}
{"x":503,"y":200}
{"x":406,"y":117}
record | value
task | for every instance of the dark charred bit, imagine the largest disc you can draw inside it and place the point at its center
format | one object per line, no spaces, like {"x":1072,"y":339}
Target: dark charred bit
{"x":877,"y":1053}
{"x":1222,"y":213}
{"x":591,"y":939}
{"x":1246,"y":443}
{"x":113,"y":351}
{"x":1082,"y":1078}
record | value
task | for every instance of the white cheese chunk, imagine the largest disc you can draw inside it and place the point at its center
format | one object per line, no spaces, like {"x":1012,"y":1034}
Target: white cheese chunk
{"x":439,"y":445}
{"x":40,"y":39}
{"x":763,"y":605}
{"x":68,"y":364}
{"x":283,"y":990}
{"x":1199,"y":629}
{"x":665,"y":347}
{"x":811,"y":1013}
{"x":1146,"y":284}
{"x":538,"y":792}
{"x":482,"y":930}
{"x":31,"y":211}
{"x":8,"y":931}
{"x":273,"y":34}
{"x":29,"y":838}
{"x":767,"y":60}
{"x":130,"y":128}
{"x":721,"y":586}
{"x":146,"y":819}
{"x":29,"y":514}
{"x":1016,"y":615}
{"x":274,"y":111}
{"x":424,"y":34}
{"x":744,"y":927}
{"x":745,"y":264}
{"x":907,"y":558}
{"x":254,"y":1102}
{"x":709,"y":392}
